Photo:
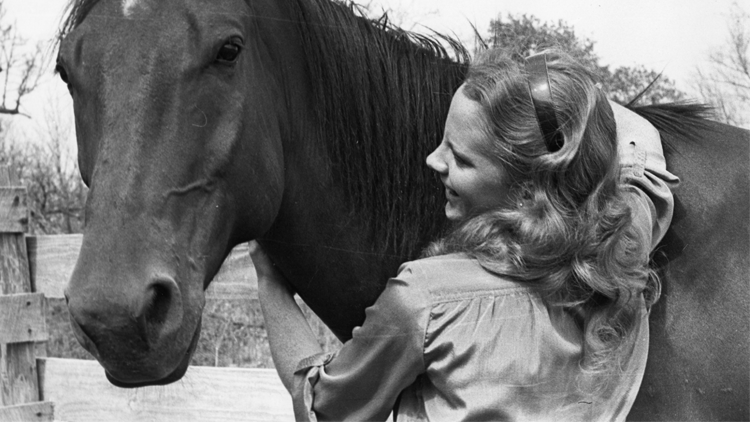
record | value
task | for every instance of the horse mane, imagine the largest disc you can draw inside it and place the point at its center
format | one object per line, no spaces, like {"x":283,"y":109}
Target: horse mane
{"x":382,"y":95}
{"x":683,"y":121}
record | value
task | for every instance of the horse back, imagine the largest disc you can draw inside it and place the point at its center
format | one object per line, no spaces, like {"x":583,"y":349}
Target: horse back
{"x":699,"y":352}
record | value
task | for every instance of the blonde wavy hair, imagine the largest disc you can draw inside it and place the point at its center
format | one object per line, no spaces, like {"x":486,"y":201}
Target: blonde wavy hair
{"x":568,"y":229}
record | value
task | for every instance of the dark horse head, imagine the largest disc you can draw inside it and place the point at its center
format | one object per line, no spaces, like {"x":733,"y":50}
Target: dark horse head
{"x":202,"y":124}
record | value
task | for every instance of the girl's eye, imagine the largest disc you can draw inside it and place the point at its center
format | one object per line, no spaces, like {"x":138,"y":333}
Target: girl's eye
{"x":461,"y":161}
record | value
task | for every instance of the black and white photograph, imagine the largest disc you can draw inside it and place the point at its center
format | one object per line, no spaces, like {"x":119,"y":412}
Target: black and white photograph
{"x":374,"y":210}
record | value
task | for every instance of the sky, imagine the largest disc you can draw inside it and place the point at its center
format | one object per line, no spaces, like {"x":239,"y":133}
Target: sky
{"x":669,"y":35}
{"x":673,"y":36}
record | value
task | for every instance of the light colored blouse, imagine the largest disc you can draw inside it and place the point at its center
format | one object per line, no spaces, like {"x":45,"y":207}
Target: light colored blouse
{"x":463,"y":344}
{"x":449,"y":341}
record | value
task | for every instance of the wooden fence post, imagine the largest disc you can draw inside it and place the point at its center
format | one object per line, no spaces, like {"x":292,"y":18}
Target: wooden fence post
{"x":19,"y":382}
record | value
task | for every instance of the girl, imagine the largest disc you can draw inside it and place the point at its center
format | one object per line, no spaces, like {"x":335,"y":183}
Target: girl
{"x":535,"y":306}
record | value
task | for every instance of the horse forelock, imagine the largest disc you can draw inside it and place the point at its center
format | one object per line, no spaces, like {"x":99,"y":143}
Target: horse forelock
{"x":383,"y":95}
{"x":129,"y":6}
{"x":76,"y":11}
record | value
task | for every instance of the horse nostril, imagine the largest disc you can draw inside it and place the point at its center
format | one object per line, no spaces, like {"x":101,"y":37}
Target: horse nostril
{"x":157,"y":310}
{"x":161,"y":310}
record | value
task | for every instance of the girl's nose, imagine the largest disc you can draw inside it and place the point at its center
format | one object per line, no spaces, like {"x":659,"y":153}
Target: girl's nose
{"x":435,"y":161}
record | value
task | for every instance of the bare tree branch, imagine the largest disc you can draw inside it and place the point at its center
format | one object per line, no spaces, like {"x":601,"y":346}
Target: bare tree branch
{"x":726,"y":82}
{"x":48,"y":168}
{"x":21,"y":70}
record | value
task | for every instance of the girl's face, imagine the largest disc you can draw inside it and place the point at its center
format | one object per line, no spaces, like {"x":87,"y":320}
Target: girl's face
{"x":472,"y":181}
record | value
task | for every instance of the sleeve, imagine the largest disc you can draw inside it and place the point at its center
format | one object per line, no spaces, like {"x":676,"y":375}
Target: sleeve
{"x":365,"y":377}
{"x":644,"y":174}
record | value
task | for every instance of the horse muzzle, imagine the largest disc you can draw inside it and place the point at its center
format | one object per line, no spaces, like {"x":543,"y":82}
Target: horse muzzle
{"x":140,"y":336}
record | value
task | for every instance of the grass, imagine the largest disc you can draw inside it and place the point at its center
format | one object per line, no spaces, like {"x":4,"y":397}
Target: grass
{"x":233,"y":335}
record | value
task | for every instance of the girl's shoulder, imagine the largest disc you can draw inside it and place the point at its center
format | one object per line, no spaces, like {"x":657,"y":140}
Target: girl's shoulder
{"x":445,"y":277}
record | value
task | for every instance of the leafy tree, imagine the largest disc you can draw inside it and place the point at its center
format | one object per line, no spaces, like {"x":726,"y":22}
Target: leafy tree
{"x":525,"y":34}
{"x":726,"y":81}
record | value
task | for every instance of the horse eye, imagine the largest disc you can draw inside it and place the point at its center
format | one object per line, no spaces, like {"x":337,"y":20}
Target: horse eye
{"x":228,"y":53}
{"x":63,"y":73}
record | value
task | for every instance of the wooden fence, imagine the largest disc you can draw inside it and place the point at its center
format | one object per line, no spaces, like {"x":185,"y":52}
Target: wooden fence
{"x":37,"y":388}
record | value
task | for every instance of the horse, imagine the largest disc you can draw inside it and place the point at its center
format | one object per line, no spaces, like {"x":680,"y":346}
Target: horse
{"x":303,"y":125}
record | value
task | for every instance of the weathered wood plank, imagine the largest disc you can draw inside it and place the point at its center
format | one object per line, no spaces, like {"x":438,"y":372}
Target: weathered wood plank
{"x":52,"y":260}
{"x":22,"y":318}
{"x":14,"y":214}
{"x":32,"y":412}
{"x":18,"y":374}
{"x":14,"y":267}
{"x":14,"y":264}
{"x":19,"y":382}
{"x":81,"y":393}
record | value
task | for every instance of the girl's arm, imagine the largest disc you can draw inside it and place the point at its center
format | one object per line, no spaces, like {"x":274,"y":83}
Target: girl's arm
{"x":644,"y":173}
{"x":363,"y":379}
{"x":289,"y":333}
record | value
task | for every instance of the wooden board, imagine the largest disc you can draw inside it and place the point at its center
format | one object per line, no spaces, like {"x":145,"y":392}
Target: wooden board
{"x":32,"y":412}
{"x":14,"y":266}
{"x":53,"y":258}
{"x":81,"y":393}
{"x":51,"y":262}
{"x":19,"y":382}
{"x":22,"y":318}
{"x":14,"y":214}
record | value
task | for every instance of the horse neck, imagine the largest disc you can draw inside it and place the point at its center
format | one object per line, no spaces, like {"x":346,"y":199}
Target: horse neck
{"x":358,"y":198}
{"x":323,"y":249}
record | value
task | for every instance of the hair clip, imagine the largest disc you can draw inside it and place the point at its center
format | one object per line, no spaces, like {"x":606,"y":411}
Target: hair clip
{"x":541,"y":97}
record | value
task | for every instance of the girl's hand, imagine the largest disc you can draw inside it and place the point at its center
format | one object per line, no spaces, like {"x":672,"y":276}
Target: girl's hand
{"x":268,"y":274}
